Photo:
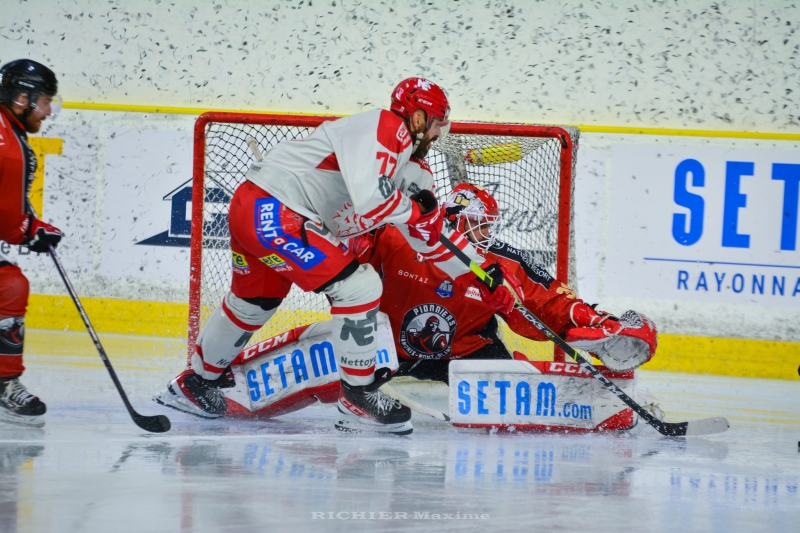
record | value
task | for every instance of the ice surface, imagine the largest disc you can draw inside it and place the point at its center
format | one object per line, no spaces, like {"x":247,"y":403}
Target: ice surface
{"x":90,"y":469}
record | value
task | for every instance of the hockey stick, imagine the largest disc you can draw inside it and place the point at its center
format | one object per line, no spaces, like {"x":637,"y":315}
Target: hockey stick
{"x":411,"y":404}
{"x":154,"y":424}
{"x":706,"y":426}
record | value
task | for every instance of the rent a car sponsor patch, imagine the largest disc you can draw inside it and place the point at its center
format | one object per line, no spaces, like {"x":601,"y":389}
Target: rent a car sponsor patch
{"x":270,"y":233}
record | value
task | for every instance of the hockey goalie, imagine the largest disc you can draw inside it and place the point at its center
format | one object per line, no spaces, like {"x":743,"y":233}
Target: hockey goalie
{"x":436,"y":315}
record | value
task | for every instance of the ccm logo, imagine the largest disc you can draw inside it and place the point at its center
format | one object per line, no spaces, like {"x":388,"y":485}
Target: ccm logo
{"x":566,"y":368}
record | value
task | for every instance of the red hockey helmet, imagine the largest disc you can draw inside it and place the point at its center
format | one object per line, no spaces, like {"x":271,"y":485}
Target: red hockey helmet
{"x":471,"y":203}
{"x":418,"y":93}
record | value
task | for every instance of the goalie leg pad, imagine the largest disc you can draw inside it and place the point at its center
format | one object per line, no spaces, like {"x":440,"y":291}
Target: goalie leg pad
{"x":354,"y":310}
{"x":227,"y":331}
{"x":630,"y":347}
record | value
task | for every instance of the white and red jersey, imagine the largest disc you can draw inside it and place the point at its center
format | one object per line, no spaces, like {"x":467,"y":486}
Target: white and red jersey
{"x":349,"y":174}
{"x":434,"y":316}
{"x":353,"y":175}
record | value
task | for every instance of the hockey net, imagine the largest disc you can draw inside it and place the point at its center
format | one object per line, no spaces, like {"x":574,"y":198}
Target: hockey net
{"x":528,"y":169}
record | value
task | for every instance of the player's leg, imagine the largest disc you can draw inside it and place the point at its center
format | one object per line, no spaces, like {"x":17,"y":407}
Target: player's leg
{"x":256,"y":292}
{"x":309,"y":256}
{"x":17,"y":405}
{"x":355,"y":297}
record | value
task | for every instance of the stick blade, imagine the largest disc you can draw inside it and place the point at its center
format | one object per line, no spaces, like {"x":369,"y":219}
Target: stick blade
{"x":153,"y":424}
{"x":707,"y":426}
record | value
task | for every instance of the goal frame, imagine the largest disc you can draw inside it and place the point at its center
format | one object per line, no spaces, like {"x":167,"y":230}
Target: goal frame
{"x":566,"y":161}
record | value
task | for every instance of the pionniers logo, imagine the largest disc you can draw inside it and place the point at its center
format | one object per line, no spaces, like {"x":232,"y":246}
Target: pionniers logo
{"x":427,"y":332}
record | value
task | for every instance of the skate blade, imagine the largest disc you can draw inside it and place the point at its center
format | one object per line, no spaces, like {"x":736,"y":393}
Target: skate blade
{"x":354,"y":424}
{"x":20,"y":420}
{"x":168,"y":399}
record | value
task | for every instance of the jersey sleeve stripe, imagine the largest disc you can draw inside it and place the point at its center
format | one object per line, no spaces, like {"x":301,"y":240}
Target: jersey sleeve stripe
{"x":386,"y":207}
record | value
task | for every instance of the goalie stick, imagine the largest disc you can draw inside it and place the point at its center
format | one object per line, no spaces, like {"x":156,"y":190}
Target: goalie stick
{"x":706,"y":426}
{"x":153,"y":424}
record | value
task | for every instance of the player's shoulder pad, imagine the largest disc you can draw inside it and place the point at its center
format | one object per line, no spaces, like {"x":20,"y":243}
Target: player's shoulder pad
{"x":536,"y":272}
{"x":392,"y":132}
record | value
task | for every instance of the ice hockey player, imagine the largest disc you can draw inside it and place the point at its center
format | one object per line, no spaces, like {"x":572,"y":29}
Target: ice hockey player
{"x":27,"y":97}
{"x":286,"y":221}
{"x":436,"y":319}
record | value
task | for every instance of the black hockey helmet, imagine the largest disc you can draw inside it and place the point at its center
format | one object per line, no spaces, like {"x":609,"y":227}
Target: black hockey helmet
{"x":28,"y":77}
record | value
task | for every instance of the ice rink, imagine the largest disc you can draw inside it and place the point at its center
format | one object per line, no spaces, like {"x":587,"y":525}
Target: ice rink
{"x":90,"y":469}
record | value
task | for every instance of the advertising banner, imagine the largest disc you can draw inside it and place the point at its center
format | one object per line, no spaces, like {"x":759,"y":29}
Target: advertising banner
{"x":704,"y":224}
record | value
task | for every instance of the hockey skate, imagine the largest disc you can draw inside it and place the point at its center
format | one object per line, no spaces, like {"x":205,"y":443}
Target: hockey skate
{"x":197,"y":396}
{"x":18,"y":406}
{"x":367,"y":409}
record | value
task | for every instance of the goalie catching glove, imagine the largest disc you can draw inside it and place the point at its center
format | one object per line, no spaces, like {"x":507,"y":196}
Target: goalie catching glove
{"x":38,"y":235}
{"x":622,"y":343}
{"x":428,"y":226}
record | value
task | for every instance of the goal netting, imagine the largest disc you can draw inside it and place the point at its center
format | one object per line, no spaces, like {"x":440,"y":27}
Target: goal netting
{"x":528,"y":169}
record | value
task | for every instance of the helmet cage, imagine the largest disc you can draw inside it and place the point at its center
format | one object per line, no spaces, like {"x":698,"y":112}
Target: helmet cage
{"x":474,"y":212}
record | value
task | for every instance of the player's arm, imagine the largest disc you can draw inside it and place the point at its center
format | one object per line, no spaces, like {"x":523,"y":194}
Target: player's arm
{"x":13,"y":218}
{"x":621,"y":343}
{"x":372,"y":156}
{"x":17,"y":226}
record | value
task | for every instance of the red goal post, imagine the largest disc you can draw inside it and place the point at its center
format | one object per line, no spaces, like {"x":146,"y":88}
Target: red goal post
{"x":528,"y":168}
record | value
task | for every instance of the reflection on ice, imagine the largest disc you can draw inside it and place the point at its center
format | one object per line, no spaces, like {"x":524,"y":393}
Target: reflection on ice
{"x":90,"y":469}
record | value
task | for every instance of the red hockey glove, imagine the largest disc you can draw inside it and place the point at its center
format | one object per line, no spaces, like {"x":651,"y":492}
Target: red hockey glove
{"x":622,"y":343}
{"x":428,"y":227}
{"x":39,"y":234}
{"x":498,"y":296}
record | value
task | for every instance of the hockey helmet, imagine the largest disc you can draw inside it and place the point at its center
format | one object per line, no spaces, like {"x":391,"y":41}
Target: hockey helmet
{"x":472,"y":203}
{"x":418,"y":93}
{"x":30,"y":78}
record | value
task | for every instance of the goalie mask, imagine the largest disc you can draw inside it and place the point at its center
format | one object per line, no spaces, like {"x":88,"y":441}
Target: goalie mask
{"x":474,"y":212}
{"x":418,"y":93}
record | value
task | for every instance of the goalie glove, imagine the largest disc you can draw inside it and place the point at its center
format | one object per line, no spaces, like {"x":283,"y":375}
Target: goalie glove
{"x":428,"y":227}
{"x":622,"y":343}
{"x":39,"y":235}
{"x":498,"y":296}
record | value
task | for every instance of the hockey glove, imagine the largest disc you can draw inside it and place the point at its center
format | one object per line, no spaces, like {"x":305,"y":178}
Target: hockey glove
{"x":622,"y":343}
{"x":41,"y":234}
{"x":428,"y":227}
{"x":497,"y":296}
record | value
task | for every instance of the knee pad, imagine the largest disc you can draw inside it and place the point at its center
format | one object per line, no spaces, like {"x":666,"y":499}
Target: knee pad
{"x":356,"y":293}
{"x":14,"y":290}
{"x":249,"y":313}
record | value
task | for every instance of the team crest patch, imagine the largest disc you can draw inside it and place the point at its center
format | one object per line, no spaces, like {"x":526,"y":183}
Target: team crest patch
{"x":427,"y":332}
{"x":445,"y":290}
